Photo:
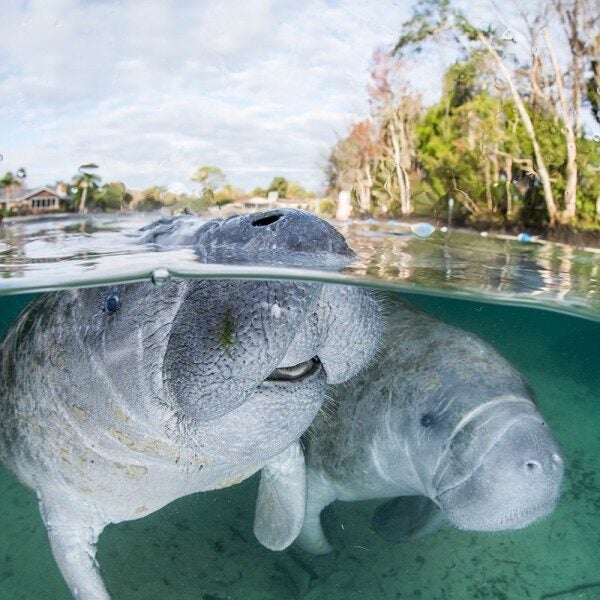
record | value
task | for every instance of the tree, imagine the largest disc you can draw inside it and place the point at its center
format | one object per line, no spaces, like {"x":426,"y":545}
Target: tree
{"x":258,"y":191}
{"x":350,"y":161}
{"x":297,"y":191}
{"x":210,"y":179}
{"x":433,"y":17}
{"x":86,"y":187}
{"x":279,"y":185}
{"x":395,"y":109}
{"x":227,"y":194}
{"x":9,"y":182}
{"x":152,"y":199}
{"x":111,"y":196}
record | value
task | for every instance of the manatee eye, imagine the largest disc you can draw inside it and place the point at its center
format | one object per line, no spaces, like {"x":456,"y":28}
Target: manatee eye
{"x":427,"y":420}
{"x":112,"y":303}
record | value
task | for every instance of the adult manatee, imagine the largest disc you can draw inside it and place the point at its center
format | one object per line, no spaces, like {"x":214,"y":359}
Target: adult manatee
{"x":444,"y":426}
{"x":116,"y":401}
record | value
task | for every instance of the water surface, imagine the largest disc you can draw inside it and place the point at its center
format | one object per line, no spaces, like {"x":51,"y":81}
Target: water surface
{"x":202,"y":546}
{"x":43,"y":254}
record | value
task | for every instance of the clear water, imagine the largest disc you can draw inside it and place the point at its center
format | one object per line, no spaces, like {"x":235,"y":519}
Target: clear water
{"x":203,"y":547}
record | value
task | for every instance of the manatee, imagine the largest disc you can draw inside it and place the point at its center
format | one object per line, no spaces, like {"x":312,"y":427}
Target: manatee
{"x":441,"y":425}
{"x":115,"y":401}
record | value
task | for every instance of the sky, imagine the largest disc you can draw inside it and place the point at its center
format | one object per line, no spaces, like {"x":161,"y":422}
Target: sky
{"x":150,"y":90}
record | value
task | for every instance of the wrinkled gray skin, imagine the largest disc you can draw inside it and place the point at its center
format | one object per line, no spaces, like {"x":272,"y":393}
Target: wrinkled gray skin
{"x":111,"y":414}
{"x":441,"y":416}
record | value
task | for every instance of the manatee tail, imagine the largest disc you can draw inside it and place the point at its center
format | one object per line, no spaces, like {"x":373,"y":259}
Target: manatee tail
{"x":407,"y":519}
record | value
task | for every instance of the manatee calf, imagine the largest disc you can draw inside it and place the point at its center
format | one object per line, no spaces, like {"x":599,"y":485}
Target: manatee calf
{"x":444,"y":426}
{"x":116,"y":401}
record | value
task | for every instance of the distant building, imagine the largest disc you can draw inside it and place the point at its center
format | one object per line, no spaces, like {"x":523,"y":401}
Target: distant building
{"x":301,"y":203}
{"x":39,"y":200}
{"x":259,"y":203}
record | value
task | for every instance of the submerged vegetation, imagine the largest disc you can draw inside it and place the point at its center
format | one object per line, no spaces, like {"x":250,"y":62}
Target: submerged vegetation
{"x":505,"y":143}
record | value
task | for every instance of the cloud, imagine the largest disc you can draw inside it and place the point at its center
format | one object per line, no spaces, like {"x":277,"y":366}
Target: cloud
{"x":150,"y":90}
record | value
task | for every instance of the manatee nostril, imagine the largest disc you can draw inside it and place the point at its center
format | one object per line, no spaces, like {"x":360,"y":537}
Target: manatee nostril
{"x":266,"y":220}
{"x":532,"y":465}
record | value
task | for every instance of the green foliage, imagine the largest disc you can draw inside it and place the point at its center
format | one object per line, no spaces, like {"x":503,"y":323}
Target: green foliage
{"x":279,"y":185}
{"x":227,"y":194}
{"x":327,"y":208}
{"x":111,"y":196}
{"x":152,"y":199}
{"x":298,"y":192}
{"x":85,"y":181}
{"x":209,"y":177}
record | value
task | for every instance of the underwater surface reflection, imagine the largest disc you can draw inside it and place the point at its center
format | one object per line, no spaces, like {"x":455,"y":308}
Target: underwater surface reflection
{"x":502,"y":269}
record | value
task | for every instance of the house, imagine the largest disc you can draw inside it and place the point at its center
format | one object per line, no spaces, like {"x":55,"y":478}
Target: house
{"x":259,"y":203}
{"x":39,"y":200}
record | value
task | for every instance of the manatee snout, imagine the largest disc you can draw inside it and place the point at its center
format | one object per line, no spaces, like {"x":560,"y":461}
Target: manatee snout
{"x":517,"y":482}
{"x":282,"y":237}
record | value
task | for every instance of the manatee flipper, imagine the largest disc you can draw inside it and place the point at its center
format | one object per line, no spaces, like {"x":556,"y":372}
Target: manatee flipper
{"x":73,"y":532}
{"x":407,"y":518}
{"x":319,"y":495}
{"x":281,"y":499}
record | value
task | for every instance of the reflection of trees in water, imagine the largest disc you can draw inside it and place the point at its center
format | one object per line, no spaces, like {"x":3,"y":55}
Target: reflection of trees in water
{"x":466,"y":262}
{"x":12,"y":257}
{"x":456,"y":261}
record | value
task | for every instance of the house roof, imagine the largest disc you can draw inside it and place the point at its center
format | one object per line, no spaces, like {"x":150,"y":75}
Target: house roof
{"x":16,"y":195}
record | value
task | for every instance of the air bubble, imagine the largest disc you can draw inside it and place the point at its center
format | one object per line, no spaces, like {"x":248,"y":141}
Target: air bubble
{"x":422,"y":230}
{"x":160,"y":277}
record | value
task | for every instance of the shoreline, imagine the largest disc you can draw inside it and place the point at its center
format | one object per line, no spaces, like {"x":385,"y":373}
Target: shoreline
{"x":565,"y":235}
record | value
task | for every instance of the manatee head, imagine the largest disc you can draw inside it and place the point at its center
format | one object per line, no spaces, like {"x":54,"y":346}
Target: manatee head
{"x":502,"y":468}
{"x":474,"y":439}
{"x":246,"y":362}
{"x":282,"y":237}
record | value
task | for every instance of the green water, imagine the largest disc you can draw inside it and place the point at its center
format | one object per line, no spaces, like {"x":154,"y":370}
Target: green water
{"x":202,"y":546}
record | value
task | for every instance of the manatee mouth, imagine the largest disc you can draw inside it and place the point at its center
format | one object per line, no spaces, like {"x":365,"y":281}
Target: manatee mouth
{"x":520,"y":518}
{"x":297,"y":372}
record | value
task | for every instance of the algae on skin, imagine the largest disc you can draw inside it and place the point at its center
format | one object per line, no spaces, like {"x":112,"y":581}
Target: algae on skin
{"x":227,"y":330}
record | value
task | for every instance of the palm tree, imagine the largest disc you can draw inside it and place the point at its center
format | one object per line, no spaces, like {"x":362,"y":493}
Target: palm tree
{"x":86,"y":181}
{"x":8,"y":182}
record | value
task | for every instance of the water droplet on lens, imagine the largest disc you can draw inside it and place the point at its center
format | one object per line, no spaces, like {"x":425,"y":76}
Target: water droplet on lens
{"x":160,"y":277}
{"x":422,"y":230}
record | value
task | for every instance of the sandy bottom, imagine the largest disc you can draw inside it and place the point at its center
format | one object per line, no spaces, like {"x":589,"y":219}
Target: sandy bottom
{"x":202,"y":547}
